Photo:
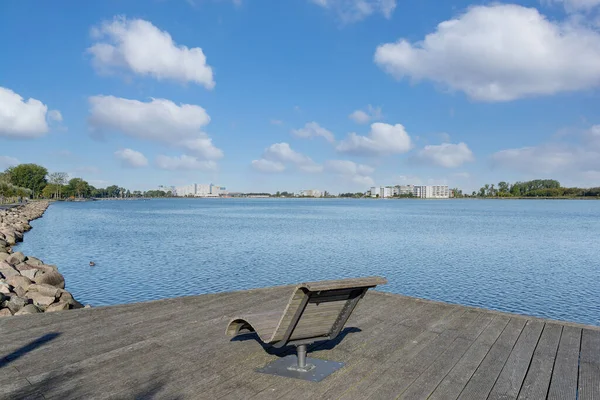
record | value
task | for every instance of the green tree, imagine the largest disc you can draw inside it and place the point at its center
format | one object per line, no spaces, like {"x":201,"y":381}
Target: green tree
{"x":78,"y":187}
{"x":30,"y":176}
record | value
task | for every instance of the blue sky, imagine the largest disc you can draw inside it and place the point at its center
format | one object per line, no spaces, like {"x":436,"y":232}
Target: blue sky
{"x":336,"y":95}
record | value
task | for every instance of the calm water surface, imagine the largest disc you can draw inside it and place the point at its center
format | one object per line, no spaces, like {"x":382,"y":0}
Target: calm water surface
{"x":533,"y":257}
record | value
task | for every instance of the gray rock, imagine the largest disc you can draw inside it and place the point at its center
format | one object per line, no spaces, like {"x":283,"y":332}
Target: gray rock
{"x":34,"y":261}
{"x":46,"y":290}
{"x":28,"y":309}
{"x":39,"y":299}
{"x":65,"y":296}
{"x":3,"y":256}
{"x":8,"y":271}
{"x":19,"y":280}
{"x":60,"y":306}
{"x":19,"y":291}
{"x":16,"y":258}
{"x":31,"y":273}
{"x":5,"y":288}
{"x":2,"y":297}
{"x":53,"y":278}
{"x":5,"y":312}
{"x":75,"y":304}
{"x":16,"y":303}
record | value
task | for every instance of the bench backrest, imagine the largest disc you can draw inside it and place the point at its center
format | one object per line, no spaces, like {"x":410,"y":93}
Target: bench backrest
{"x":319,"y":310}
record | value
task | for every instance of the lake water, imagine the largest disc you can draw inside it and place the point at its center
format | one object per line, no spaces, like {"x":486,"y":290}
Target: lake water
{"x":535,"y":257}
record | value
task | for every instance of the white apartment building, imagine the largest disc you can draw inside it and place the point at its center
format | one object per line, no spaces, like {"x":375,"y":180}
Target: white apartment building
{"x":311,"y":193}
{"x":382,"y":191}
{"x":200,"y":190}
{"x":431,"y":192}
{"x":187,"y":190}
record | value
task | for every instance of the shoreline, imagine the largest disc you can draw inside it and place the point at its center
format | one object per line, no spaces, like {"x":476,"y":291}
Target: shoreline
{"x":27,"y":285}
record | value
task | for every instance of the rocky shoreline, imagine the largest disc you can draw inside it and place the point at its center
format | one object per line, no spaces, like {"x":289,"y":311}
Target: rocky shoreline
{"x":27,"y":285}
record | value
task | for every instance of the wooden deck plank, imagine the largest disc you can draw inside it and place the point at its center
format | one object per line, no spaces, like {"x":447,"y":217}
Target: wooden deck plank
{"x":589,"y":365}
{"x":511,"y":378}
{"x":426,"y":383}
{"x":537,"y":380}
{"x":177,"y":349}
{"x":454,"y":382}
{"x":486,"y":374}
{"x":563,"y":385}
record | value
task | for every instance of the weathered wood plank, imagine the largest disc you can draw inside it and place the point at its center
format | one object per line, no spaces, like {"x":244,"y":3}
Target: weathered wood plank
{"x":457,"y":378}
{"x":563,"y":385}
{"x":483,"y":379}
{"x":537,"y":381}
{"x":511,"y":378}
{"x":589,"y":365}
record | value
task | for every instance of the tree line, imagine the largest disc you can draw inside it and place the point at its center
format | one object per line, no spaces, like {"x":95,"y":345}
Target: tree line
{"x":534,"y":188}
{"x":34,"y":181}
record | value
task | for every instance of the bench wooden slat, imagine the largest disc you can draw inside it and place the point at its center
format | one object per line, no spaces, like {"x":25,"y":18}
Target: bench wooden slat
{"x":314,"y":310}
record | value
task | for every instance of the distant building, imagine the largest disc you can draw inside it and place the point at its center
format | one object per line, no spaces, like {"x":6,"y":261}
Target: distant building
{"x":431,"y":192}
{"x":200,"y":190}
{"x":311,"y":193}
{"x":382,"y":191}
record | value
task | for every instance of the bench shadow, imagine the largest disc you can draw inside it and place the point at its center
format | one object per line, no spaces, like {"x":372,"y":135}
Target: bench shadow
{"x":29,"y":347}
{"x":286,"y":350}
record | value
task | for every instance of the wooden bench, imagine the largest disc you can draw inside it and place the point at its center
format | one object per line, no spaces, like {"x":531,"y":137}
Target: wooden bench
{"x":316,"y":311}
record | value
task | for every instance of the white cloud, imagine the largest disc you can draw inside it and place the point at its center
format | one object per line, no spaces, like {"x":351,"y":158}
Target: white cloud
{"x":572,"y":160}
{"x":356,"y":10}
{"x":203,"y":147}
{"x":140,"y":47}
{"x":446,"y":155}
{"x":263,"y":165}
{"x":8,"y":161}
{"x":283,"y":152}
{"x":499,"y":53}
{"x":21,"y":119}
{"x":362,"y":117}
{"x":313,"y":129}
{"x":184,"y":162}
{"x":159,"y":120}
{"x":55,"y":115}
{"x":346,"y":167}
{"x":279,"y":154}
{"x":382,"y":139}
{"x":131,"y":158}
{"x":351,"y":171}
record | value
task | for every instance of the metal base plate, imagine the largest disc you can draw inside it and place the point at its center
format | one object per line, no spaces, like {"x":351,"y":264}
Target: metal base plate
{"x":321,"y":370}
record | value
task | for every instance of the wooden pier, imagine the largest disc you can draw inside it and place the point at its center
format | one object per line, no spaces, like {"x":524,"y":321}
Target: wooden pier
{"x":393,"y":346}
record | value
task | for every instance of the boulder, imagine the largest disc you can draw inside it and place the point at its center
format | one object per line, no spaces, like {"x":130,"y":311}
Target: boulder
{"x":3,"y":256}
{"x":60,"y":306}
{"x":28,"y":309}
{"x":39,"y":299}
{"x":53,"y":278}
{"x":34,"y":261}
{"x":3,"y":242}
{"x":16,"y":258}
{"x":7,"y":271}
{"x":46,"y":290}
{"x":2,"y":297}
{"x":19,"y":291}
{"x":5,"y":312}
{"x":74,"y":304}
{"x":16,"y":303}
{"x":19,"y":280}
{"x":5,"y":288}
{"x":31,"y":273}
{"x":64,"y":295}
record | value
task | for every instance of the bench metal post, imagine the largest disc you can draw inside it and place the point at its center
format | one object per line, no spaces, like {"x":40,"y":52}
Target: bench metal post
{"x":301,"y":356}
